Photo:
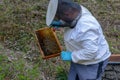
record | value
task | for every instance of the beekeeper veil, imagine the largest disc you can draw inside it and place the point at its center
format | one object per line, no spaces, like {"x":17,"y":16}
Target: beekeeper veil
{"x":58,"y":8}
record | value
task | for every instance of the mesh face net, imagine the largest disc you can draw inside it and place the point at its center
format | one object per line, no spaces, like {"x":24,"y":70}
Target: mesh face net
{"x":66,"y":6}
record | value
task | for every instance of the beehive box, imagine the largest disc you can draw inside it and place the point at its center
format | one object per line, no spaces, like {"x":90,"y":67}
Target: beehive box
{"x":48,"y":43}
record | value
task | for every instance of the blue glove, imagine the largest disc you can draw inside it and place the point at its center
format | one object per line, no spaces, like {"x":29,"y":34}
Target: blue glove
{"x":66,"y":55}
{"x":56,"y":24}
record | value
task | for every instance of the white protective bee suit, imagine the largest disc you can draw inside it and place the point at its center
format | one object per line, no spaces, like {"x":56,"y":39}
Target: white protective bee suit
{"x":90,"y":50}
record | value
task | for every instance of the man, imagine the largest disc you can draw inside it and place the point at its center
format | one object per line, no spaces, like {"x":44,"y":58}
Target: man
{"x":86,"y":46}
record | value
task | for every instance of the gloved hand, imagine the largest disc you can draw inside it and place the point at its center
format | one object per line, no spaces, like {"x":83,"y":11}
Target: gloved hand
{"x":56,"y":24}
{"x":66,"y":55}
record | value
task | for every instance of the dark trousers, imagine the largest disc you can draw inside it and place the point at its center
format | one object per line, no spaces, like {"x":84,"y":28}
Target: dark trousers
{"x":87,"y":72}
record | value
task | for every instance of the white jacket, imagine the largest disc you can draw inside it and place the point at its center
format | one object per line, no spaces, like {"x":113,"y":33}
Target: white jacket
{"x":86,"y":40}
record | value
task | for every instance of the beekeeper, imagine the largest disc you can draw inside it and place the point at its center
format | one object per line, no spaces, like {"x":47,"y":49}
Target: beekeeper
{"x":86,"y":46}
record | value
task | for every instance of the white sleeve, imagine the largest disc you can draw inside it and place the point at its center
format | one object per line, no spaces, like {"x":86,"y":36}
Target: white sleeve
{"x":87,"y":52}
{"x":88,"y":39}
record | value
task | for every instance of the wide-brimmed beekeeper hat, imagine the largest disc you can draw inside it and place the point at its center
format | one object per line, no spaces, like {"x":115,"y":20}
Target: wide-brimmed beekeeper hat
{"x":51,"y":11}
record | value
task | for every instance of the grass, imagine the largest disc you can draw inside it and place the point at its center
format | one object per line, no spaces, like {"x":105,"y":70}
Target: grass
{"x":20,"y":18}
{"x":18,"y":70}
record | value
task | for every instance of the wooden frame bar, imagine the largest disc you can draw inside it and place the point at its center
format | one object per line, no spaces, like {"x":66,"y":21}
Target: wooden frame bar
{"x":115,"y":58}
